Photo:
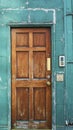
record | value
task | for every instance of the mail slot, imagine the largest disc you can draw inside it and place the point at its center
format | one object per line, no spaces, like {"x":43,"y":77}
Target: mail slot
{"x":48,"y":64}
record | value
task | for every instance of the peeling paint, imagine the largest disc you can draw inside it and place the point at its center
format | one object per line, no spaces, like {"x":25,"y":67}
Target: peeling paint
{"x":2,"y":13}
{"x":27,"y":2}
{"x":58,"y":9}
{"x":35,"y":9}
{"x":0,"y":79}
{"x":10,"y":9}
{"x":53,"y":127}
{"x":2,"y":25}
{"x":18,"y":20}
{"x":29,"y":19}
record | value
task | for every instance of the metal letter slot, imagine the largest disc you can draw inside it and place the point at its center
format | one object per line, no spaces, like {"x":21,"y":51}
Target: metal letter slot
{"x":48,"y":64}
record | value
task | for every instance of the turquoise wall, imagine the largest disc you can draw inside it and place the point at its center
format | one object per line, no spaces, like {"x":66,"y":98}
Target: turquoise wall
{"x":68,"y":18}
{"x":44,"y":13}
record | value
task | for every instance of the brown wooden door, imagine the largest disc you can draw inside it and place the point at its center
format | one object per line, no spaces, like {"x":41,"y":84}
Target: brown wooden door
{"x":31,"y":96}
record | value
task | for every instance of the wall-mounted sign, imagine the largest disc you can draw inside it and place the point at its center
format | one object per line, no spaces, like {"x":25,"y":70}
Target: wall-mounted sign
{"x":60,"y":77}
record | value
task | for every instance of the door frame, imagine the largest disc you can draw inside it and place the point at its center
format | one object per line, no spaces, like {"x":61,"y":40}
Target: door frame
{"x":52,"y":28}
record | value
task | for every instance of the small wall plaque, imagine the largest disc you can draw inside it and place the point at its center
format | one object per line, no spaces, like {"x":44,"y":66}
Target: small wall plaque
{"x":60,"y":77}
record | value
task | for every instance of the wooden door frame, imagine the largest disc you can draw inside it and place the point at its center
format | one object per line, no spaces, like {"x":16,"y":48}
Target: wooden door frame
{"x":52,"y":28}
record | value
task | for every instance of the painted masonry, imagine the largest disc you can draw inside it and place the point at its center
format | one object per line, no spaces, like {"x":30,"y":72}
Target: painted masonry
{"x":56,"y":14}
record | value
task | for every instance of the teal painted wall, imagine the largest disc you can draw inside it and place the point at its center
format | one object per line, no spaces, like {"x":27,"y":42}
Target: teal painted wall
{"x":68,"y":21}
{"x":36,"y":13}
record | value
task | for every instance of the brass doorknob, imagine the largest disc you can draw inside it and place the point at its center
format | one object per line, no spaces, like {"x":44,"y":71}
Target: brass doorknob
{"x":48,"y":83}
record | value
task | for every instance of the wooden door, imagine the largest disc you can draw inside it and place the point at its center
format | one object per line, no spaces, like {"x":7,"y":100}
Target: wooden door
{"x":31,"y":96}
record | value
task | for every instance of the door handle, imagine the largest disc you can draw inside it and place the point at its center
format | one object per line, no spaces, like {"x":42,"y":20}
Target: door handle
{"x":48,"y":83}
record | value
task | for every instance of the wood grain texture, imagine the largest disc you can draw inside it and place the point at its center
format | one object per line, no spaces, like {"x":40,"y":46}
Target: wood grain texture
{"x":22,"y":64}
{"x":39,"y":103}
{"x":39,"y":64}
{"x":22,"y":39}
{"x":39,"y":39}
{"x":30,"y":83}
{"x":22,"y":104}
{"x":13,"y":108}
{"x":31,"y":97}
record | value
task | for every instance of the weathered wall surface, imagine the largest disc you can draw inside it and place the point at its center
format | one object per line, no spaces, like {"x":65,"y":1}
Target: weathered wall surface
{"x":68,"y":15}
{"x":21,"y":13}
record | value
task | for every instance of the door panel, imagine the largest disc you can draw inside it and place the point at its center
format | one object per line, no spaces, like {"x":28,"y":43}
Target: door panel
{"x":22,"y":64}
{"x":39,"y":39}
{"x":39,"y":104}
{"x":39,"y":65}
{"x":31,"y":96}
{"x":22,"y":39}
{"x":22,"y":103}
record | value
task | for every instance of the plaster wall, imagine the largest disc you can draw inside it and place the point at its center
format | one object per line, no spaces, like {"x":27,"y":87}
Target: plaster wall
{"x":30,"y":13}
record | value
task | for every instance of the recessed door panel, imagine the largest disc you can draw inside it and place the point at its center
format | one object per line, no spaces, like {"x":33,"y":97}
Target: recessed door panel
{"x":22,"y":104}
{"x":39,"y":104}
{"x":22,"y":39}
{"x":22,"y":64}
{"x":39,"y":63}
